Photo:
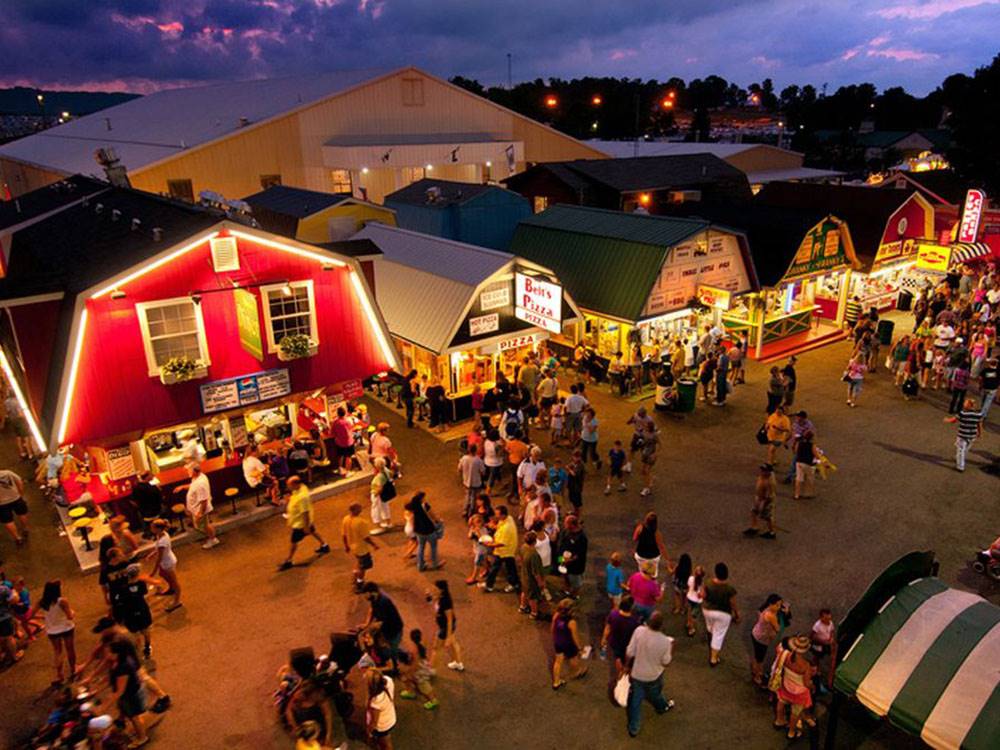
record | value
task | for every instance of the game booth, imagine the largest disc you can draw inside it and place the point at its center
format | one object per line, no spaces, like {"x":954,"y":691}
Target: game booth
{"x":924,"y":656}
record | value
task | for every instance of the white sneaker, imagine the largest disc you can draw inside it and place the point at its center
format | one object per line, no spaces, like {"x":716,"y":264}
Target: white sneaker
{"x":622,"y":487}
{"x":456,"y":665}
{"x":585,"y":653}
{"x":211,"y":543}
{"x":377,"y":531}
{"x":644,"y":491}
{"x":508,"y":588}
{"x":607,"y":490}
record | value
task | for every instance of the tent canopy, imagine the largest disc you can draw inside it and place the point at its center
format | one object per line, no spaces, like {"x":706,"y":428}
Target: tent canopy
{"x":929,"y":660}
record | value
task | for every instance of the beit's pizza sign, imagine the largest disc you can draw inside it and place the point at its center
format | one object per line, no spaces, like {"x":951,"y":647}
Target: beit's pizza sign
{"x":538,"y":302}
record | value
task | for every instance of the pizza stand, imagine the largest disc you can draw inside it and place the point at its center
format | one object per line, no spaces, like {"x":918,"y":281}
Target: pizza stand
{"x":459,"y":314}
{"x":924,"y":656}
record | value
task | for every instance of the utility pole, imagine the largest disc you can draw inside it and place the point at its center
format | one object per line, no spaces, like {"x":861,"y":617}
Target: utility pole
{"x":510,"y":85}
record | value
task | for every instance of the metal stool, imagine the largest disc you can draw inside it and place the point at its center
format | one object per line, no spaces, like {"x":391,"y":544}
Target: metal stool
{"x":177,"y":511}
{"x":82,"y":526}
{"x":231,"y":493}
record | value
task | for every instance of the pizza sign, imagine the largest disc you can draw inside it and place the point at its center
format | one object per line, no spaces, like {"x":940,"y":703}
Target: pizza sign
{"x":972,"y":210}
{"x":538,"y":302}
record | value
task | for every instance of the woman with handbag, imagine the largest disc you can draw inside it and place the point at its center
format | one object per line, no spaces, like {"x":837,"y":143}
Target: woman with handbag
{"x":428,"y":527}
{"x":791,"y":682}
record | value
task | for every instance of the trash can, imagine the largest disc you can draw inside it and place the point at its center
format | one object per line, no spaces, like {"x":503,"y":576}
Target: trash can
{"x":687,"y":394}
{"x":905,"y":300}
{"x":884,"y":332}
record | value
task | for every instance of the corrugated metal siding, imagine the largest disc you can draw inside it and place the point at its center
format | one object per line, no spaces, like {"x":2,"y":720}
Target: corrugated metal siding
{"x":641,"y":228}
{"x":608,"y":276}
{"x":419,"y":306}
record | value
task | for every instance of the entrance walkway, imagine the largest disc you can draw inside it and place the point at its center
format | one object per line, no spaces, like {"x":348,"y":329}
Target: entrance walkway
{"x":814,"y":338}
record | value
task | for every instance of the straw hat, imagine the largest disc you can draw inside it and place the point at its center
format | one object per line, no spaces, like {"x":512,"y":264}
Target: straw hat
{"x":800,"y":644}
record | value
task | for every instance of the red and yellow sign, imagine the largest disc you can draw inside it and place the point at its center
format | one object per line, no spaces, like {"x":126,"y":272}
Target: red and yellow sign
{"x":933,"y":257}
{"x":968,"y":228}
{"x":710,"y":296}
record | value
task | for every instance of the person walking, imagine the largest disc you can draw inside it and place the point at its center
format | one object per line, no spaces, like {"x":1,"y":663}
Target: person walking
{"x":13,"y":509}
{"x":695,"y":597}
{"x":428,"y":527}
{"x":721,"y":378}
{"x":493,"y":457}
{"x":127,"y":687}
{"x":533,"y":568}
{"x":970,"y":427}
{"x":854,"y":376}
{"x":473,"y":472}
{"x":576,"y":473}
{"x":60,"y":627}
{"x":618,"y":629}
{"x":650,"y":446}
{"x":573,"y":545}
{"x":589,"y":436}
{"x":408,"y":394}
{"x":131,"y":609}
{"x":165,"y":563}
{"x":989,"y":381}
{"x":357,"y":540}
{"x":794,"y":673}
{"x":383,"y":618}
{"x":504,"y":548}
{"x":719,"y":609}
{"x":649,"y":545}
{"x":779,"y":430}
{"x":382,"y":491}
{"x":199,"y":505}
{"x":444,"y":618}
{"x":959,"y":383}
{"x":762,"y":511}
{"x":775,"y":390}
{"x":764,"y":632}
{"x":15,"y":417}
{"x":566,"y":643}
{"x":791,"y":381}
{"x":381,"y":714}
{"x":301,"y":520}
{"x":645,"y":591}
{"x":649,"y":652}
{"x":807,"y":455}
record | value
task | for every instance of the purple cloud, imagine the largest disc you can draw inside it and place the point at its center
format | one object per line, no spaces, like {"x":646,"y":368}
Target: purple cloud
{"x":146,"y":44}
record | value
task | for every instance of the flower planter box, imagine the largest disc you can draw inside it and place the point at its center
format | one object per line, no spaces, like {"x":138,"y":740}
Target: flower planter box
{"x":313,"y":349}
{"x":169,"y":378}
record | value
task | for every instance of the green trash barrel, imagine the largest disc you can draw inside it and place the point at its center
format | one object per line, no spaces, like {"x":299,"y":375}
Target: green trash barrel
{"x":687,"y":394}
{"x":884,"y":332}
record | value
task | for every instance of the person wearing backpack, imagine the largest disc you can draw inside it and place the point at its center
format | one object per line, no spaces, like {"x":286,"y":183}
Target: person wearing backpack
{"x":512,"y":421}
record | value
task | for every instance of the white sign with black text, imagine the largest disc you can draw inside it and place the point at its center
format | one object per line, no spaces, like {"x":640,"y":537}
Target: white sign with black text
{"x":495,"y":296}
{"x":538,"y":302}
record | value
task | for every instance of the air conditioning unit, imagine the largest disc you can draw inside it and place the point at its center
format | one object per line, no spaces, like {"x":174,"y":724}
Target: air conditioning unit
{"x":685,"y":196}
{"x":225,"y":256}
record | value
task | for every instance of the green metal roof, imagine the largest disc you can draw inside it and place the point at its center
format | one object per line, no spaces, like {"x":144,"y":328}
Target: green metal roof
{"x":607,"y":260}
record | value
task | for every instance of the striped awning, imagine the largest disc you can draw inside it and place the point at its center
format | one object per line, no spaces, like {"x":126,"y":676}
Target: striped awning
{"x":963,"y":252}
{"x":929,"y":661}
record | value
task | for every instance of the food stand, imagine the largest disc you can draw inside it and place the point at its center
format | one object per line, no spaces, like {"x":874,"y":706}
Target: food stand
{"x":480,"y":310}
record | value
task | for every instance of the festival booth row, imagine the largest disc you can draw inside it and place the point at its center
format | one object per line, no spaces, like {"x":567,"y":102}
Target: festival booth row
{"x":922,"y":655}
{"x":639,"y":279}
{"x":143,"y":333}
{"x":460,"y":314}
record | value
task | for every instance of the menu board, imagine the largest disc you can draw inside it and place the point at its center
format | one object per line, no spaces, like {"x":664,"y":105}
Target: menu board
{"x":220,"y":395}
{"x":120,"y":463}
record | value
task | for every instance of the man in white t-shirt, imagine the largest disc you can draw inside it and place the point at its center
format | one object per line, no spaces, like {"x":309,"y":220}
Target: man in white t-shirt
{"x":575,"y":404}
{"x":527,"y":471}
{"x":943,"y":335}
{"x":199,"y":505}
{"x":648,"y":652}
{"x":12,"y":505}
{"x":257,"y":474}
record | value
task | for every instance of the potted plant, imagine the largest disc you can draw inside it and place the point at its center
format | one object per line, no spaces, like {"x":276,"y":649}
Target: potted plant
{"x":181,"y":369}
{"x":296,"y":346}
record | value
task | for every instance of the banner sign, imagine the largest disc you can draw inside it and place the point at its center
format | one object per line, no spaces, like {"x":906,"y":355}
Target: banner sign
{"x":495,"y":296}
{"x":933,"y":257}
{"x":538,"y":302}
{"x":484,"y":324}
{"x":248,"y":323}
{"x":821,"y":250}
{"x":712,"y":297}
{"x":972,"y":210}
{"x":245,"y":390}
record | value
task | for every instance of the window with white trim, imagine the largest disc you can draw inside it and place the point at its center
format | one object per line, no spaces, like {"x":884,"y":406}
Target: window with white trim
{"x":172,"y":328}
{"x":289,"y":310}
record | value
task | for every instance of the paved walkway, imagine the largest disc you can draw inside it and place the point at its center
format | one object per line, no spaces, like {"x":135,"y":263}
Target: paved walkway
{"x":895,"y":492}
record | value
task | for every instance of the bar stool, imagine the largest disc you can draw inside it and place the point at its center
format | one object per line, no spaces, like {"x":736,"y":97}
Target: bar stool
{"x":231,"y":493}
{"x":82,"y":527}
{"x":77,"y":512}
{"x":177,"y":512}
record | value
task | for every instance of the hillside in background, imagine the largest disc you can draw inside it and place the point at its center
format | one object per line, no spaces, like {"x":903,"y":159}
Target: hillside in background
{"x":24,"y":101}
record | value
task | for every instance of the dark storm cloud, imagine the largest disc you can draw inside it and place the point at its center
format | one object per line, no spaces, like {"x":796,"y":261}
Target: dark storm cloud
{"x":149,"y":43}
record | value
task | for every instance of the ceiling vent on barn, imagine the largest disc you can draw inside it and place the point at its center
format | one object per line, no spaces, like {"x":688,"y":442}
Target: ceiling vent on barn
{"x":225,"y":256}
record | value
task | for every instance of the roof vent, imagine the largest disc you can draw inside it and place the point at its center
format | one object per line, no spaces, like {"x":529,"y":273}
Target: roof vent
{"x":225,"y":256}
{"x":107,"y":123}
{"x":135,"y":224}
{"x":244,"y":121}
{"x":157,"y":234}
{"x":98,"y":208}
{"x":115,"y":214}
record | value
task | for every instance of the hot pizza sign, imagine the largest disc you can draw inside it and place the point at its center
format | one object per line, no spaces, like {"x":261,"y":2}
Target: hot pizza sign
{"x":538,"y":302}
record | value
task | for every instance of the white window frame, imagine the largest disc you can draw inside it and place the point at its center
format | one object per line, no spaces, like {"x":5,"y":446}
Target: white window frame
{"x":272,"y":345}
{"x":147,"y":343}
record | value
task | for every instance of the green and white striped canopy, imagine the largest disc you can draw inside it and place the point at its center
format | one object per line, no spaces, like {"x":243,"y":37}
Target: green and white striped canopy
{"x":930,"y":662}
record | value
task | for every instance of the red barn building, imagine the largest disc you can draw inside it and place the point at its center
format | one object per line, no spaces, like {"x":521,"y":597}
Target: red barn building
{"x":132,"y":324}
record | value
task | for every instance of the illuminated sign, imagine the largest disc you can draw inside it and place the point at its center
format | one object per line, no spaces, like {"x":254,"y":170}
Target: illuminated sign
{"x":517,"y":342}
{"x":933,"y":257}
{"x":248,"y":389}
{"x":968,"y":228}
{"x":538,"y":302}
{"x":712,"y":297}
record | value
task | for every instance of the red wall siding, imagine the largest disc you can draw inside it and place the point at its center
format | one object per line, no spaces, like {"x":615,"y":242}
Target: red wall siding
{"x":35,"y":326}
{"x":115,"y":394}
{"x":915,"y":214}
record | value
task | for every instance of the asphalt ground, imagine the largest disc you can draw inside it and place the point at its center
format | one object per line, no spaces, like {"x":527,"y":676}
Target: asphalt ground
{"x":895,"y":491}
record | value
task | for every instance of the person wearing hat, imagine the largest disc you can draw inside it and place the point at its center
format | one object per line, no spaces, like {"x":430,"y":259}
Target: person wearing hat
{"x":762,"y":511}
{"x":301,"y":520}
{"x":791,"y":681}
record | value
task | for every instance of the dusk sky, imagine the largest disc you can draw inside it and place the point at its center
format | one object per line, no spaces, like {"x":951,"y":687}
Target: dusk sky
{"x":141,"y":45}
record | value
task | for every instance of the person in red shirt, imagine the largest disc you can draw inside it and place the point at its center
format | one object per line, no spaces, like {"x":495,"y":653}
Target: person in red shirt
{"x":343,"y":439}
